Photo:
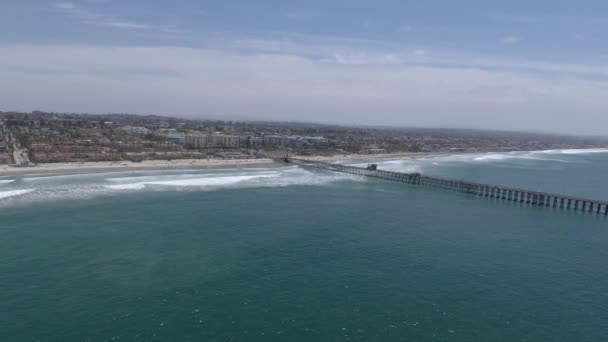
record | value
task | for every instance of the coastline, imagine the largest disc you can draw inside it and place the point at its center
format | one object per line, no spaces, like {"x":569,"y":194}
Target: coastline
{"x":56,"y":169}
{"x":370,"y":158}
{"x":71,"y":168}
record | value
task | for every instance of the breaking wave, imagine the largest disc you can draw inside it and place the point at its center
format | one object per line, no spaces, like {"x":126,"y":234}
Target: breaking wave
{"x":13,"y":193}
{"x":86,"y":186}
{"x":575,"y":151}
{"x":514,"y":155}
{"x":548,"y":159}
{"x":537,"y":155}
{"x":192,"y":182}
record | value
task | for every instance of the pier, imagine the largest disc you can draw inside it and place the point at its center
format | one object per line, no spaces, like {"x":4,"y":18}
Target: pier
{"x":517,"y":195}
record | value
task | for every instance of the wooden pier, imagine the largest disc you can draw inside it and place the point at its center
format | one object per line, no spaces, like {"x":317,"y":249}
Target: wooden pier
{"x":533,"y":198}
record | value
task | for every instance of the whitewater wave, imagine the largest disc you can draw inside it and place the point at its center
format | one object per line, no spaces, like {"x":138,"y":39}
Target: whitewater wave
{"x":537,"y":155}
{"x":6,"y":181}
{"x":491,"y":157}
{"x":98,"y":185}
{"x":515,"y":155}
{"x":285,"y":177}
{"x":430,"y":163}
{"x":13,"y":193}
{"x":575,"y":151}
{"x":191,"y":182}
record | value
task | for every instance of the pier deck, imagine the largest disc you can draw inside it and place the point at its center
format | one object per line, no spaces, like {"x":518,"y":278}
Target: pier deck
{"x":533,"y":198}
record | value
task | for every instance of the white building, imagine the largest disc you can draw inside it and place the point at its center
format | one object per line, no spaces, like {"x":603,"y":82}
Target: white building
{"x":135,"y":130}
{"x":317,"y":141}
{"x":221,"y":140}
{"x":275,"y":140}
{"x":251,"y":140}
{"x":172,"y":135}
{"x":197,"y":140}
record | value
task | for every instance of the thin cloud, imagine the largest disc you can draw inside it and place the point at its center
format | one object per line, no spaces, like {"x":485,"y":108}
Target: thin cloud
{"x":369,"y":52}
{"x":510,"y":39}
{"x":406,"y":29}
{"x":126,"y":25}
{"x":288,"y":87}
{"x":90,"y":17}
{"x":548,"y":19}
{"x":579,"y":36}
{"x":64,"y":5}
{"x":419,"y":53}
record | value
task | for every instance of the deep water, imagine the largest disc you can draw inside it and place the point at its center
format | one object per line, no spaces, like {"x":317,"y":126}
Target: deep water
{"x":296,"y":255}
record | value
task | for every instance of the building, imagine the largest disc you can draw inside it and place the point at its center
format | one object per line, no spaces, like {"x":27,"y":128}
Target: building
{"x":316,"y":141}
{"x":221,"y":140}
{"x":256,"y":141}
{"x":196,"y":141}
{"x":275,"y":140}
{"x":294,"y":141}
{"x":177,"y":138}
{"x":251,"y":140}
{"x":172,"y":135}
{"x":135,"y":130}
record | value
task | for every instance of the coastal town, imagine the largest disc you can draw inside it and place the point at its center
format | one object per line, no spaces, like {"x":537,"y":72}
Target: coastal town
{"x":41,"y":137}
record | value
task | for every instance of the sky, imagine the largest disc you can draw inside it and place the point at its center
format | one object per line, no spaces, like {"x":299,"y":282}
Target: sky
{"x":514,"y":65}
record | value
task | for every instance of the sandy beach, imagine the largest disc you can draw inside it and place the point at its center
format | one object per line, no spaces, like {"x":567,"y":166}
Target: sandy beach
{"x":184,"y":164}
{"x":146,"y":165}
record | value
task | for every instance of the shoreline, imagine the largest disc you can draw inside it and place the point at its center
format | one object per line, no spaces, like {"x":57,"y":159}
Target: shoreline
{"x":73,"y":168}
{"x":370,"y":158}
{"x":59,"y":169}
{"x":76,"y":168}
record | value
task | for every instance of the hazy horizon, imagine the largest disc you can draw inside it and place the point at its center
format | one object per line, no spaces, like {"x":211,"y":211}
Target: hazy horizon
{"x":473,"y":65}
{"x":319,"y":123}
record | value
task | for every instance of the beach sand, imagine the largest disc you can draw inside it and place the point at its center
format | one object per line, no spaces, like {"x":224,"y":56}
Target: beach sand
{"x":146,"y":165}
{"x":185,"y":164}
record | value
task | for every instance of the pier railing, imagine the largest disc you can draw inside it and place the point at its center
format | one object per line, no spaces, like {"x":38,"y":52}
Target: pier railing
{"x":518,"y":195}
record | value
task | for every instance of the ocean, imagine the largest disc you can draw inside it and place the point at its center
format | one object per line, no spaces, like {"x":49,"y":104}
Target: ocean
{"x":288,"y":254}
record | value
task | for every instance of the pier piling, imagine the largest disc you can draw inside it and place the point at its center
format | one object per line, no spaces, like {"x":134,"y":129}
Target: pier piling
{"x":539,"y":199}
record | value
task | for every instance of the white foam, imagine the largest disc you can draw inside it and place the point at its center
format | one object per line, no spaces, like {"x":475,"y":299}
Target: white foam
{"x":513,"y":155}
{"x":492,"y":157}
{"x":13,"y":193}
{"x":186,"y":176}
{"x":420,"y":164}
{"x":6,"y":181}
{"x":190,"y":182}
{"x":132,"y":186}
{"x":97,"y":185}
{"x":575,"y":151}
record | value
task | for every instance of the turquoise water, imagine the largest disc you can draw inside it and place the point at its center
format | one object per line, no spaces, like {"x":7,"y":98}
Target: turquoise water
{"x":296,"y":255}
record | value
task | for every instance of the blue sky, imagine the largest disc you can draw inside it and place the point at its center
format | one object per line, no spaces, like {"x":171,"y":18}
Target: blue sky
{"x":534,"y":65}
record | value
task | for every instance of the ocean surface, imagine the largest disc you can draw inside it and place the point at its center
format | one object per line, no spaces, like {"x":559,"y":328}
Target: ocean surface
{"x":289,"y":254}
